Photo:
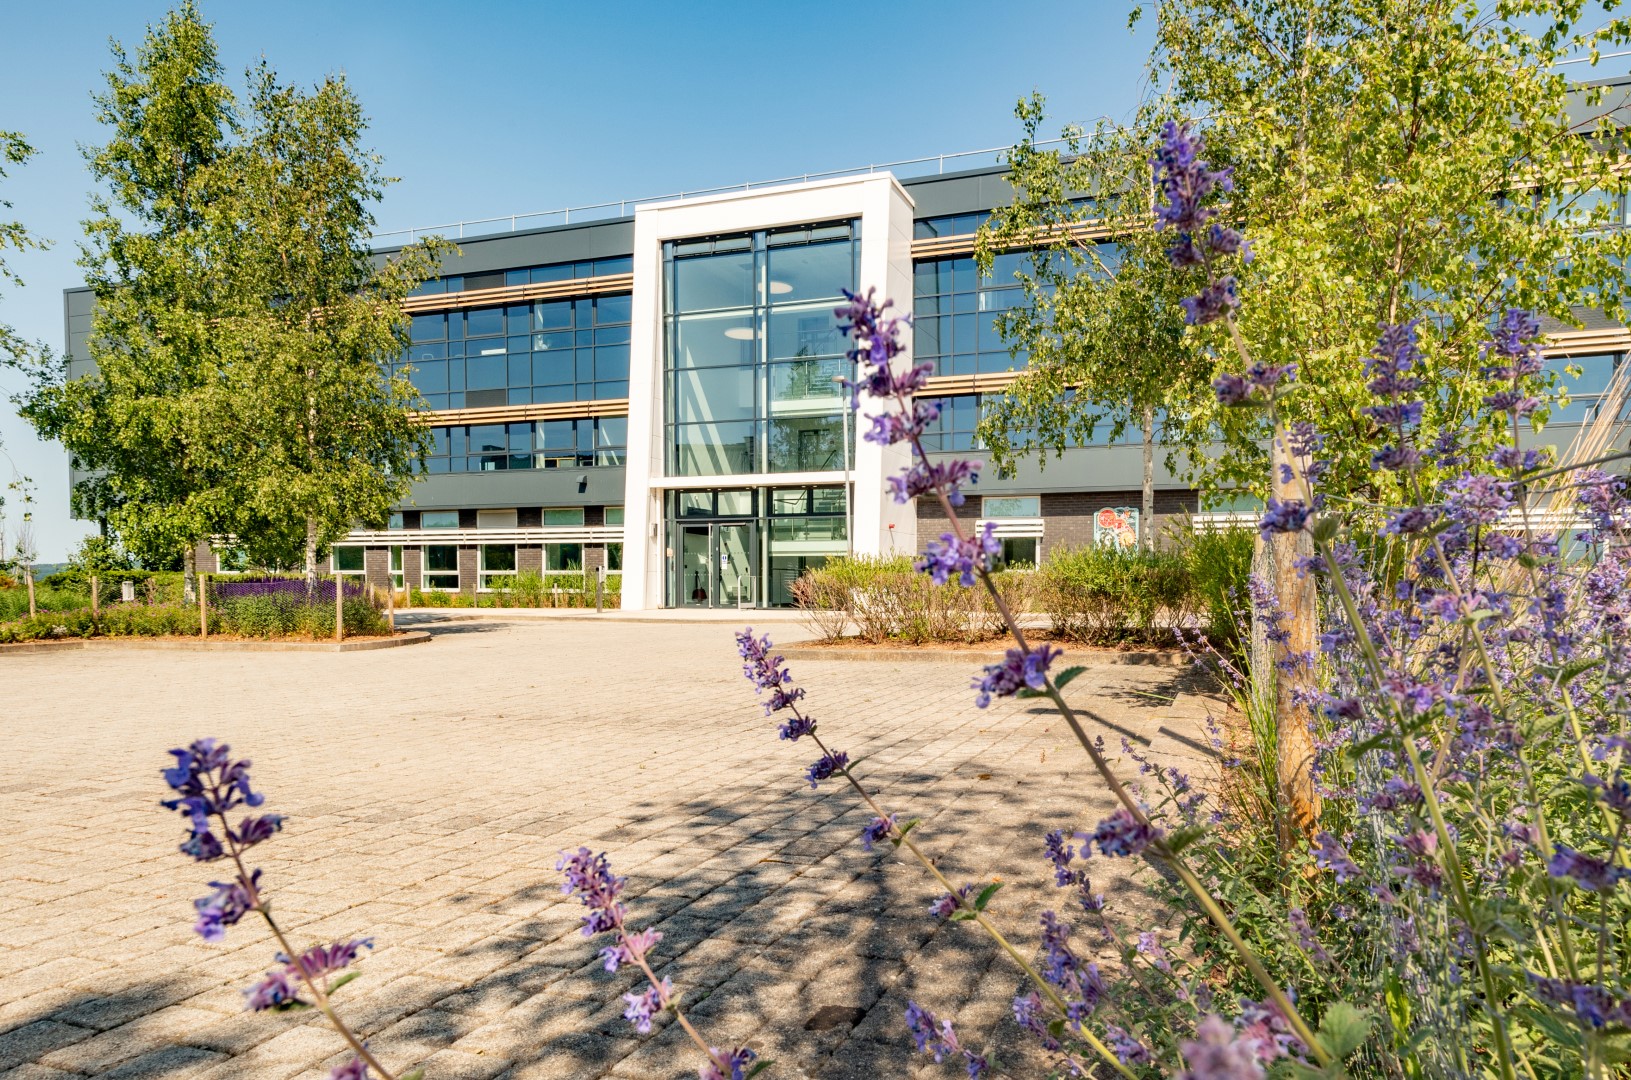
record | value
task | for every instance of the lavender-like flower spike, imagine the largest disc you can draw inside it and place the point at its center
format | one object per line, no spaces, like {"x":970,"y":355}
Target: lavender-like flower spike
{"x":1283,"y":516}
{"x":1017,"y":670}
{"x":1329,"y":854}
{"x":1121,"y":835}
{"x":963,"y":558}
{"x":1592,"y":874}
{"x":878,"y":829}
{"x":827,"y":765}
{"x":738,"y":1060}
{"x":1218,"y":1053}
{"x":1212,"y":303}
{"x":355,"y":1069}
{"x":937,"y":1037}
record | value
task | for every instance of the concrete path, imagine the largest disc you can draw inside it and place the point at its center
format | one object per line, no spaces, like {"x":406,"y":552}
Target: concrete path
{"x":429,"y":791}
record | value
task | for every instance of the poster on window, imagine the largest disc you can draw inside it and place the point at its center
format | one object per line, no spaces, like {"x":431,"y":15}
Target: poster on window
{"x":1116,"y":526}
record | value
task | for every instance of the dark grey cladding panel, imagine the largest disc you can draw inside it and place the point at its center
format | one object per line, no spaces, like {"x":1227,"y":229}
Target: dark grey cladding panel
{"x":958,"y":193}
{"x":537,"y":247}
{"x":1090,"y":468}
{"x":1615,"y":103}
{"x":523,"y":487}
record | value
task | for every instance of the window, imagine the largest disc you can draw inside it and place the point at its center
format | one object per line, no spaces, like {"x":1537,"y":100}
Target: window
{"x":563,"y":517}
{"x":397,"y":578}
{"x":1011,"y":506}
{"x":496,"y":519}
{"x":955,"y":313}
{"x":752,"y":349}
{"x":563,"y":558}
{"x":347,"y":560}
{"x":1018,"y":551}
{"x":497,"y":565}
{"x":439,"y":519}
{"x":614,"y":516}
{"x":614,"y":557}
{"x":528,"y":353}
{"x":396,"y":521}
{"x":540,"y":444}
{"x":441,"y":567}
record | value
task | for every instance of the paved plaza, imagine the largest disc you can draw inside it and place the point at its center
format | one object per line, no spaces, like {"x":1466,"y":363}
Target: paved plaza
{"x":429,"y":790}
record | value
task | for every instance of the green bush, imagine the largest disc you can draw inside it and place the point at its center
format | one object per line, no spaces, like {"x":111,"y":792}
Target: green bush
{"x":249,"y":616}
{"x":886,"y":599}
{"x":1219,"y":562}
{"x":1105,"y":595}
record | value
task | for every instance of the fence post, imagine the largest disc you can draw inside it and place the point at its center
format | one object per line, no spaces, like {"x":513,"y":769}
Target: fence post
{"x":28,"y":575}
{"x":390,"y":601}
{"x":339,"y":608}
{"x":1296,"y":594}
{"x":96,"y":598}
{"x":203,"y":605}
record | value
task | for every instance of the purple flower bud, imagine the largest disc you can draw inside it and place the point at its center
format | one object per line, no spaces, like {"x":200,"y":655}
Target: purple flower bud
{"x":1215,"y":301}
{"x":879,"y":829}
{"x":276,"y":989}
{"x":828,"y":765}
{"x":924,"y":478}
{"x":1121,"y":834}
{"x":1287,"y":516}
{"x":355,"y":1069}
{"x":738,"y":1061}
{"x":224,"y":907}
{"x":1331,"y":855}
{"x":1592,"y":874}
{"x":961,"y":557}
{"x":642,"y":1007}
{"x":1017,"y":670}
{"x":1218,"y":1053}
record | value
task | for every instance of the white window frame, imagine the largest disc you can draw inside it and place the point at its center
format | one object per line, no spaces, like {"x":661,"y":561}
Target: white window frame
{"x":334,"y":561}
{"x":484,"y":576}
{"x":394,"y":565}
{"x":425,"y":572}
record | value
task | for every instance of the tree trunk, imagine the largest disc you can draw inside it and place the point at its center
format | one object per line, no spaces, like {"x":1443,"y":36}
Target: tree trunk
{"x":1146,"y":517}
{"x":311,"y":554}
{"x":189,"y":573}
{"x":1298,"y":600}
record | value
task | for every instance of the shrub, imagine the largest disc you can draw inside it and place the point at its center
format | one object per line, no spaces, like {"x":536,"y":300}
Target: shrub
{"x":1103,"y":595}
{"x":1218,"y":562}
{"x":887,"y":600}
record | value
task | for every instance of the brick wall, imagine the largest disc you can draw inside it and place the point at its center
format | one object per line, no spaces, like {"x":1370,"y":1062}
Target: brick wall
{"x":469,"y":563}
{"x":376,"y":564}
{"x":1067,"y":518}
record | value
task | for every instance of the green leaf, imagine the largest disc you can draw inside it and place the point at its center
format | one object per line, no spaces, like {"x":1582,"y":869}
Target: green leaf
{"x":904,"y":829}
{"x":342,"y":980}
{"x":1064,"y":678}
{"x":1343,"y":1029}
{"x":759,"y":1067}
{"x":417,"y":1074}
{"x":1179,"y":839}
{"x":960,"y":915}
{"x":986,"y":894}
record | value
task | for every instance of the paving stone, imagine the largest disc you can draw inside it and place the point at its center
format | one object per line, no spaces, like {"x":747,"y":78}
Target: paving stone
{"x":428,"y":813}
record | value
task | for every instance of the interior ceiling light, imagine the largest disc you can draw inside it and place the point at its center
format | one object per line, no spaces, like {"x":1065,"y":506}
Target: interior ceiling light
{"x":780,"y":288}
{"x":740,"y":333}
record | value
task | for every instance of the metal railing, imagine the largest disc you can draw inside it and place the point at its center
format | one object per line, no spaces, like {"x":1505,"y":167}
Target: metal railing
{"x":607,"y":211}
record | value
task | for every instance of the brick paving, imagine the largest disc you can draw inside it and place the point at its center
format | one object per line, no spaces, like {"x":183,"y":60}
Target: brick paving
{"x":429,"y":791}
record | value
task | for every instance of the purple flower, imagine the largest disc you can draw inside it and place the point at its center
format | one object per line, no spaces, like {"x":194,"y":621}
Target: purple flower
{"x":924,"y":478}
{"x":1128,"y":1050}
{"x":1594,"y":1005}
{"x":1016,"y":670}
{"x":1030,"y":1014}
{"x":276,"y":989}
{"x":1515,"y":346}
{"x":630,"y":948}
{"x":826,"y":766}
{"x":1212,"y":303}
{"x":321,"y":960}
{"x":1121,"y":834}
{"x":1149,"y":945}
{"x":935,"y":1036}
{"x":879,"y":829}
{"x":1477,"y":499}
{"x":946,"y":905}
{"x":1288,"y":516}
{"x":1232,"y":389}
{"x":1595,"y":875}
{"x":642,"y":1007}
{"x":355,"y":1069}
{"x":737,"y":1061}
{"x":222,"y":908}
{"x":894,"y":427}
{"x":1412,"y":519}
{"x":1064,"y":969}
{"x":797,"y":728}
{"x":1306,"y":938}
{"x":961,"y":557}
{"x":1331,"y":855}
{"x":1185,"y":181}
{"x":209,"y":783}
{"x":590,"y":877}
{"x":1218,"y":1053}
{"x":255,"y":829}
{"x":766,"y":672}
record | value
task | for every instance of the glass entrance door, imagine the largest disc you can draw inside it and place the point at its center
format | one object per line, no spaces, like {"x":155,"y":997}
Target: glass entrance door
{"x":717,"y":565}
{"x":733,"y":554}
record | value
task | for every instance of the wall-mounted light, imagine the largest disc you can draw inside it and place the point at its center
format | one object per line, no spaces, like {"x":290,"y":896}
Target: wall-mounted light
{"x":780,"y":288}
{"x":740,"y":333}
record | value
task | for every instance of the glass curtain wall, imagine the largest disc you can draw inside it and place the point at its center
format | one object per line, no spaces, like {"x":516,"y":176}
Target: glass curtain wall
{"x":753,"y":355}
{"x":753,"y":349}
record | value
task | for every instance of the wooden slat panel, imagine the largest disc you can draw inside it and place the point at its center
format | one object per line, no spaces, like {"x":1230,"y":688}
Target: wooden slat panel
{"x":941,"y":246}
{"x":502,"y":414}
{"x":515,"y":294}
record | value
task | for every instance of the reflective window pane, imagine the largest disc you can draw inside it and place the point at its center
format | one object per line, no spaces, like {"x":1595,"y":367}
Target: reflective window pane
{"x":709,"y":282}
{"x":810,"y":271}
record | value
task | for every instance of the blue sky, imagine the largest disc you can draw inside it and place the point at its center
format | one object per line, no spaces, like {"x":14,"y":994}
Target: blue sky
{"x":493,"y":108}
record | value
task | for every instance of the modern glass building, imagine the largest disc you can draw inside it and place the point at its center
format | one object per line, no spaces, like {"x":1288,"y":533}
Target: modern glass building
{"x":656,"y":394}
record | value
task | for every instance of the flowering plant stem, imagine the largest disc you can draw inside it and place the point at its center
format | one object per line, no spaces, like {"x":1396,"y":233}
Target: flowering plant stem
{"x":246,"y":880}
{"x":1157,"y":851}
